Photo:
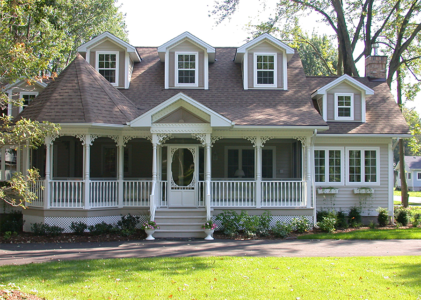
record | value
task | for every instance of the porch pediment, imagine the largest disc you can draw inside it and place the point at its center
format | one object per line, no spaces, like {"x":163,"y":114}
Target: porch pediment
{"x":181,"y":109}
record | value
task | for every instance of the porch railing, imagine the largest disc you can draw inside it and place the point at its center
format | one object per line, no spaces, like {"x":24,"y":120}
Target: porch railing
{"x":37,"y":189}
{"x":282,"y":193}
{"x":233,"y":193}
{"x":136,"y":193}
{"x":163,"y":189}
{"x":201,"y":188}
{"x":103,"y":194}
{"x":66,"y":194}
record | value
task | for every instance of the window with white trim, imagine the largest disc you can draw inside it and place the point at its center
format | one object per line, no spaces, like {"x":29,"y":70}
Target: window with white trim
{"x":186,"y":73}
{"x":328,"y":165}
{"x":408,"y":176}
{"x":344,"y":106}
{"x":363,"y":165}
{"x":419,"y":176}
{"x":265,"y":70}
{"x":27,"y":99}
{"x":107,"y":65}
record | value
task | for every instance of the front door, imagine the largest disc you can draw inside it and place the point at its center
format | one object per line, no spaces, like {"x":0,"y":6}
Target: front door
{"x":182,"y":176}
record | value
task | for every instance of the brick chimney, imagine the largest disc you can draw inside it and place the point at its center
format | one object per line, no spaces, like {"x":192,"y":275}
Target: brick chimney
{"x":375,"y":66}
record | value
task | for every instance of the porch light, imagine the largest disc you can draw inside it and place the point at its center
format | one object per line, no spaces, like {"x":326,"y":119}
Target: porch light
{"x":239,"y":173}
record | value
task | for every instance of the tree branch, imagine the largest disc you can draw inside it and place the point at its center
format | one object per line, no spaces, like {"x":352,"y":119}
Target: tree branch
{"x":327,"y":17}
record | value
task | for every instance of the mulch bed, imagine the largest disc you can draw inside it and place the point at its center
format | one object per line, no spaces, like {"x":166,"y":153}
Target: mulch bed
{"x":17,"y":295}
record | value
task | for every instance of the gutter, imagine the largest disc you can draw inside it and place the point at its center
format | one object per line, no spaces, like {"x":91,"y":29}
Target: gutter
{"x":393,"y":135}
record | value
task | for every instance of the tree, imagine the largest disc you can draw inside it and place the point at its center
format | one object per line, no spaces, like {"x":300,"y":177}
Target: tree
{"x":40,"y":37}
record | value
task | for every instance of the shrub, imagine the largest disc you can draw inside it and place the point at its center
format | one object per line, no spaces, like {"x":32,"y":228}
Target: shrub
{"x":383,"y":216}
{"x":301,"y":225}
{"x":372,"y":225}
{"x":327,"y":224}
{"x":54,"y":230}
{"x":325,"y":214}
{"x":12,"y":222}
{"x":264,"y":223}
{"x":250,"y":224}
{"x":281,"y":230}
{"x":45,"y":229}
{"x":78,"y":227}
{"x":354,"y":217}
{"x":101,"y":228}
{"x":402,"y":216}
{"x":128,"y":224}
{"x":230,"y":221}
{"x":341,"y":220}
{"x":8,"y":235}
{"x":417,"y":220}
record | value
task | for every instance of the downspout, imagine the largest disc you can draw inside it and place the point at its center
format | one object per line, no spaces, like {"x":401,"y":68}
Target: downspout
{"x":313,"y":183}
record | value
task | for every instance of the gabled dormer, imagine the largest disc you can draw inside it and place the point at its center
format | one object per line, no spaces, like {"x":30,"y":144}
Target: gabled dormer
{"x":186,"y":59}
{"x":264,"y":63}
{"x":343,"y":100}
{"x":112,"y":57}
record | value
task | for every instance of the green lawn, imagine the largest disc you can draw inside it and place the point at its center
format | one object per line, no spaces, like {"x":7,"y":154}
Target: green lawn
{"x":411,"y":194}
{"x":410,"y":203}
{"x":369,"y":234}
{"x":396,"y":277}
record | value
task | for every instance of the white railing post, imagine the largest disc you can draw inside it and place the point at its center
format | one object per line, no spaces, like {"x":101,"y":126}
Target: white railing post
{"x":87,"y":164}
{"x":208,"y":175}
{"x":258,"y":151}
{"x":47,"y":186}
{"x":120,"y":164}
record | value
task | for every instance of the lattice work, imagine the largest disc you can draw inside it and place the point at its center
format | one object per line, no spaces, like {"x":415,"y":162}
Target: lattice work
{"x":65,"y":222}
{"x":282,"y":219}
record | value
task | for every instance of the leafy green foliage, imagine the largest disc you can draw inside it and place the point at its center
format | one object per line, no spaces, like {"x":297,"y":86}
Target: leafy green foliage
{"x":383,"y":216}
{"x":403,"y":216}
{"x":102,"y":228}
{"x":250,"y":224}
{"x":8,"y":234}
{"x":354,"y":217}
{"x":327,"y":224}
{"x":341,"y":220}
{"x":230,"y":222}
{"x":282,"y":230}
{"x":78,"y":227}
{"x":45,"y":229}
{"x":11,"y":222}
{"x":264,"y":223}
{"x":300,"y":225}
{"x":369,"y":234}
{"x":128,"y":224}
{"x":416,"y":222}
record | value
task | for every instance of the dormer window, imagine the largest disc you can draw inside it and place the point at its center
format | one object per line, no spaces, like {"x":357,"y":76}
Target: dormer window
{"x":186,"y":69}
{"x":107,"y":65}
{"x":27,"y":99}
{"x":344,"y":106}
{"x":265,"y":70}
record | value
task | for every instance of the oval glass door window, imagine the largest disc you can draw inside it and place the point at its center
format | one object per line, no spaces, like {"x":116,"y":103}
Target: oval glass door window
{"x":182,"y":167}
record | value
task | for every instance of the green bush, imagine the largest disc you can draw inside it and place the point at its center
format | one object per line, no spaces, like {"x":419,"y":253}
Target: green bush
{"x":11,"y":222}
{"x":264,"y":223}
{"x":354,"y":217}
{"x":403,"y":216}
{"x":54,"y":230}
{"x":383,"y":216}
{"x":230,"y":222}
{"x":416,"y":220}
{"x":101,"y":228}
{"x":250,"y":224}
{"x":327,"y":224}
{"x":8,"y":235}
{"x":78,"y":227}
{"x":341,"y":220}
{"x":301,"y":225}
{"x":372,"y":225}
{"x":281,"y":230}
{"x":128,"y":224}
{"x":45,"y":229}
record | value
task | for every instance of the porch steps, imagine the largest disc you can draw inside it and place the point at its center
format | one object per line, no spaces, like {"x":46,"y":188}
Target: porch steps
{"x":180,"y":222}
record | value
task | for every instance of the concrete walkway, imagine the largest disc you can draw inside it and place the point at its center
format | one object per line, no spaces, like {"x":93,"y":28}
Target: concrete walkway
{"x":36,"y":253}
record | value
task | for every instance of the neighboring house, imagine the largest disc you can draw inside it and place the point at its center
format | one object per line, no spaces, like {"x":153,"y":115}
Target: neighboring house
{"x":185,"y":131}
{"x":412,"y":172}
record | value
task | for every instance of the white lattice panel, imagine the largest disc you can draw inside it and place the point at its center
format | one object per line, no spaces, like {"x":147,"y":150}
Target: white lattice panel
{"x":65,"y":222}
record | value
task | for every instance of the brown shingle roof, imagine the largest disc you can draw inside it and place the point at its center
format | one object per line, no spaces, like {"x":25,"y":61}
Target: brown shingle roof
{"x":382,"y":113}
{"x":226,"y":95}
{"x":81,"y":95}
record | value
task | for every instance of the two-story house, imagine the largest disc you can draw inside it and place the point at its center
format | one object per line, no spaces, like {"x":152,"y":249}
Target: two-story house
{"x":185,"y":131}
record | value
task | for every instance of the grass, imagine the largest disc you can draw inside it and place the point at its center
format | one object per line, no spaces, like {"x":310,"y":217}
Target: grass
{"x":369,"y":234}
{"x":222,"y":278}
{"x":411,"y":194}
{"x":410,"y":203}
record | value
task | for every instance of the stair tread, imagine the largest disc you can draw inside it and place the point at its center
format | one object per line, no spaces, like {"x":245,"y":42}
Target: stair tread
{"x":179,"y":230}
{"x":179,"y":224}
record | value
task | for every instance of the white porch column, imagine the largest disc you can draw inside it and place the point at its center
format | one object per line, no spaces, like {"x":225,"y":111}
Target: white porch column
{"x":308,"y":172}
{"x":3,"y":163}
{"x":47,"y":187}
{"x":258,"y":150}
{"x":208,"y":176}
{"x":86,"y":167}
{"x":120,"y":175}
{"x":28,"y":158}
{"x":152,"y":199}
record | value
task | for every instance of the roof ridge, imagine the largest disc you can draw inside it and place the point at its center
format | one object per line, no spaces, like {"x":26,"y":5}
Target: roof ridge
{"x":78,"y":56}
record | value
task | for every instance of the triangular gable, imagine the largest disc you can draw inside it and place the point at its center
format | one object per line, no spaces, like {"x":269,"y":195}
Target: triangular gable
{"x":181,"y":38}
{"x":106,"y":35}
{"x":174,"y":103}
{"x":19,"y":82}
{"x":344,"y":78}
{"x":264,"y":37}
{"x":181,"y":115}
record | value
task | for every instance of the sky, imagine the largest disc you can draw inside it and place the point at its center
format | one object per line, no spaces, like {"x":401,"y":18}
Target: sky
{"x":152,"y":23}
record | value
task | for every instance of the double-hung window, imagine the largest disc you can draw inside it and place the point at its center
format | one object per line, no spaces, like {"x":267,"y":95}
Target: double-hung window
{"x":328,"y":165}
{"x":418,"y":175}
{"x":107,"y":65}
{"x":265,"y":70}
{"x":363,"y":165}
{"x":27,"y":99}
{"x":186,"y":72}
{"x":344,"y":106}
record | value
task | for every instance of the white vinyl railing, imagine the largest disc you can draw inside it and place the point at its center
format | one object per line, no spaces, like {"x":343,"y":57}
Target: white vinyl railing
{"x":201,"y":189}
{"x":103,"y":193}
{"x":233,"y":193}
{"x":38,"y":189}
{"x":283,"y":193}
{"x":163,"y":189}
{"x":66,"y":194}
{"x":136,"y":193}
